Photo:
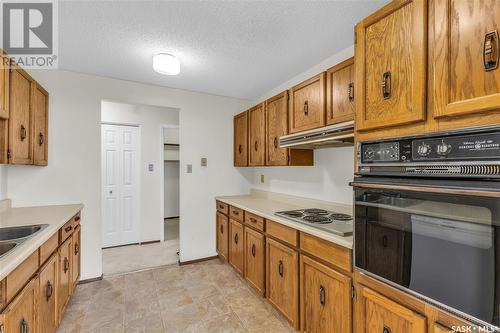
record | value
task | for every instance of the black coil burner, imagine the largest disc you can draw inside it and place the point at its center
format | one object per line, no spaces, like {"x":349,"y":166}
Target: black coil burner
{"x":341,"y":217}
{"x":317,"y":219}
{"x":316,"y":211}
{"x":294,"y":213}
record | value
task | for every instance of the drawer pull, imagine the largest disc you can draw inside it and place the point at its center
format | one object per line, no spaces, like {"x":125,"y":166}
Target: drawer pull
{"x":386,"y":329}
{"x":66,"y":265}
{"x":280,"y":268}
{"x":384,"y":241}
{"x":77,"y":218}
{"x":490,"y":51}
{"x":306,"y":108}
{"x":253,"y":220}
{"x":256,"y":146}
{"x":276,"y":142}
{"x":23,"y":133}
{"x":240,"y":149}
{"x":221,"y":228}
{"x":253,"y":250}
{"x":68,"y":228}
{"x":322,"y":295}
{"x":236,"y":239}
{"x":77,"y":248}
{"x":221,"y":206}
{"x":386,"y":85}
{"x":351,"y":92}
{"x":235,"y":212}
{"x":23,"y":326}
{"x":40,"y":139}
{"x":49,"y":291}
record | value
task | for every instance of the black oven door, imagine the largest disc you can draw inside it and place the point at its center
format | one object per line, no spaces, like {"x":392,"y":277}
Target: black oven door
{"x":438,"y":240}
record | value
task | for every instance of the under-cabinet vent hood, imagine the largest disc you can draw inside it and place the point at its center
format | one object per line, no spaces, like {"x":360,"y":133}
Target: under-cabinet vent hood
{"x":338,"y":135}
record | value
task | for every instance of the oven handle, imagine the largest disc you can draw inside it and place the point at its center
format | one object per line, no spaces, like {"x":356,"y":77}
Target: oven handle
{"x":426,"y":189}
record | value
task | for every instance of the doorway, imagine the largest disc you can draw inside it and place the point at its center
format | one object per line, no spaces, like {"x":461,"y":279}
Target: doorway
{"x":171,"y":174}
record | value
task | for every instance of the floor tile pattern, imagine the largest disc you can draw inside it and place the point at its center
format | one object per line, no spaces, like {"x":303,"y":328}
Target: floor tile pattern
{"x":205,"y":297}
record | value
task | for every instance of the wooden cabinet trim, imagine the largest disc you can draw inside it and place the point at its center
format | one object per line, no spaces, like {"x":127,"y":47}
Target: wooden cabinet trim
{"x":333,"y":254}
{"x":283,"y":233}
{"x":254,"y":221}
{"x":21,"y":275}
{"x":49,"y":247}
{"x":4,"y":85}
{"x":236,"y":213}
{"x":222,"y":207}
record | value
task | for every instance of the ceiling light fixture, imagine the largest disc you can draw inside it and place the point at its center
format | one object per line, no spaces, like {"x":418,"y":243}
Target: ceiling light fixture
{"x":166,"y":64}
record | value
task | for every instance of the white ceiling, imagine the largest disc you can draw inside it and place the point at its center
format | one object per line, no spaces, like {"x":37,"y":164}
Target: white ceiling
{"x":231,"y":48}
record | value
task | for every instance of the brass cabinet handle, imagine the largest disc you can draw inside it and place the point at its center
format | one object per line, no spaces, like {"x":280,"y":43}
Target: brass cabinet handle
{"x":221,"y":228}
{"x":77,"y":218}
{"x":253,"y":220}
{"x":280,"y":268}
{"x":239,"y":148}
{"x":275,"y":142}
{"x":49,"y":291}
{"x":235,"y":212}
{"x":77,"y":248}
{"x":386,"y":85}
{"x":236,"y":239}
{"x":351,"y":92}
{"x":68,"y":228}
{"x":490,"y":51}
{"x":41,"y":139}
{"x":221,"y":206}
{"x":253,"y":250}
{"x":256,"y":146}
{"x":23,"y":326}
{"x":23,"y":132}
{"x":322,"y":295}
{"x":66,"y":265}
{"x":386,"y":329}
{"x":306,"y":108}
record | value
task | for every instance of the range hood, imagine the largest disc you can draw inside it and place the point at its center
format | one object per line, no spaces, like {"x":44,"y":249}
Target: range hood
{"x":338,"y":135}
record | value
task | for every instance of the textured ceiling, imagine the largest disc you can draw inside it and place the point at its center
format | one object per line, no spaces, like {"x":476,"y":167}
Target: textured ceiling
{"x":232,"y":48}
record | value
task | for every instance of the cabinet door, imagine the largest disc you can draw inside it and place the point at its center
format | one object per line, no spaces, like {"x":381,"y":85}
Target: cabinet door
{"x":64,"y":275}
{"x":255,"y":258}
{"x":391,"y":66}
{"x":75,"y":260}
{"x":325,"y":298}
{"x":4,"y":85}
{"x":376,"y":313}
{"x":340,"y":92}
{"x":257,"y":136}
{"x":21,"y":117}
{"x":19,"y":316}
{"x":236,"y":246}
{"x":282,"y":283}
{"x":276,"y":126}
{"x":307,"y":104}
{"x":47,"y":307}
{"x":241,"y":139}
{"x":222,"y":235}
{"x":441,"y":329}
{"x":465,"y":77}
{"x":40,"y":125}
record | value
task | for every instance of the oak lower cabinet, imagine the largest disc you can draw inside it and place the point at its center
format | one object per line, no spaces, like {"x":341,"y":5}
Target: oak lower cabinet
{"x":257,"y":136}
{"x":47,"y":306}
{"x":240,"y":124}
{"x":75,"y":260}
{"x":376,"y":313}
{"x":325,"y":298}
{"x":282,"y":280}
{"x":255,"y":259}
{"x":437,"y":328}
{"x":307,"y":104}
{"x":222,"y":235}
{"x":236,"y":246}
{"x":340,"y":92}
{"x":20,"y":315}
{"x":65,"y":253}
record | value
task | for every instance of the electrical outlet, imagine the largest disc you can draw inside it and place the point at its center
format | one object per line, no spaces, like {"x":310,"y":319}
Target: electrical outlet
{"x":204,"y":161}
{"x":189,"y":168}
{"x":262,"y":179}
{"x":151,"y":167}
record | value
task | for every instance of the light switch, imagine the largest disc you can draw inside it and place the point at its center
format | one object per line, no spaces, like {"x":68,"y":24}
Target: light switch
{"x":189,"y":168}
{"x":203,"y":161}
{"x":151,"y":167}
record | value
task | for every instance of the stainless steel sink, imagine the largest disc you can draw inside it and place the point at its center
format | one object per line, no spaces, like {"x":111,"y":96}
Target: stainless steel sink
{"x":10,"y":237}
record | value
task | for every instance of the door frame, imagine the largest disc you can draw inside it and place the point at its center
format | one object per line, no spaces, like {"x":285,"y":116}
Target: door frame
{"x":139,"y":180}
{"x":162,"y":189}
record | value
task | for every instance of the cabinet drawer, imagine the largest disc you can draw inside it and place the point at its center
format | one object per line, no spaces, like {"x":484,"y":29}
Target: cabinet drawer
{"x":76,"y":220}
{"x":236,"y":213}
{"x":48,"y":248}
{"x":66,"y":230}
{"x":334,"y":254}
{"x":21,"y":275}
{"x":281,"y":232}
{"x":222,"y":207}
{"x":254,"y":221}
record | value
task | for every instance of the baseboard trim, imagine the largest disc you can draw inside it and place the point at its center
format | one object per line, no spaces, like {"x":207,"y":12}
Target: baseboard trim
{"x":171,"y":218}
{"x":99,"y":278}
{"x":150,"y":242}
{"x":195,"y":261}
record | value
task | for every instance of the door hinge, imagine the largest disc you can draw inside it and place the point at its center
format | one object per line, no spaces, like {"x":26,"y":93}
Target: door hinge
{"x":353,"y":292}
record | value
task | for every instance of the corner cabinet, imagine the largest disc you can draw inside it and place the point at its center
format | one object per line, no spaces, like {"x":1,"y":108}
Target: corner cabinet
{"x":307,"y":104}
{"x":340,"y":92}
{"x":390,"y":63}
{"x":241,"y":140}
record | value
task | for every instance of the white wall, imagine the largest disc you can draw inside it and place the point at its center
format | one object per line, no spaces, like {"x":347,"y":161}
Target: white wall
{"x":333,"y":168}
{"x":149,"y":119}
{"x":73,"y":173}
{"x":3,"y":182}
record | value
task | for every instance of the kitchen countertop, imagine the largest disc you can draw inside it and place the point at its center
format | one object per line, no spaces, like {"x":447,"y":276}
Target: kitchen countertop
{"x":265,"y":204}
{"x":54,"y":216}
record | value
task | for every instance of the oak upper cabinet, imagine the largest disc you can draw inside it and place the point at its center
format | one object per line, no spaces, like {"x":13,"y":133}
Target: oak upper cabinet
{"x":390,"y":64}
{"x":47,"y":306}
{"x":282,"y":282}
{"x":20,"y":314}
{"x":236,"y":245}
{"x":40,"y":124}
{"x":75,"y":260}
{"x":276,"y":127}
{"x":255,"y":258}
{"x":376,"y":313}
{"x":307,"y":104}
{"x":222,"y":235}
{"x":464,"y":73}
{"x":65,"y":253}
{"x":4,"y":85}
{"x":21,"y":117}
{"x":257,"y":136}
{"x":241,"y":139}
{"x":325,"y":299}
{"x":340,"y":92}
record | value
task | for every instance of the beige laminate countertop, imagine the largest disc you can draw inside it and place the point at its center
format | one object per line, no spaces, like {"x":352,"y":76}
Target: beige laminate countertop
{"x":54,"y":216}
{"x":265,"y":205}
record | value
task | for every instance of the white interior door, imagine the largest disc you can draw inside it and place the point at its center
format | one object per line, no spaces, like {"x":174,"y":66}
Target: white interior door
{"x":120,"y":184}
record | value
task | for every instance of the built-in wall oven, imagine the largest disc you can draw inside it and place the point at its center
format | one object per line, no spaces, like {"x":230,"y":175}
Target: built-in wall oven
{"x":427,"y":219}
